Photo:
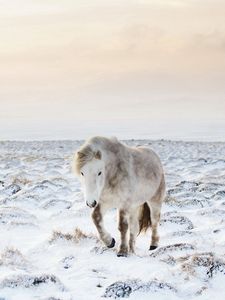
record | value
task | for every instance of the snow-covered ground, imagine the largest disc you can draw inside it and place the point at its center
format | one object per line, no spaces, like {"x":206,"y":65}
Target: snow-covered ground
{"x":48,"y":243}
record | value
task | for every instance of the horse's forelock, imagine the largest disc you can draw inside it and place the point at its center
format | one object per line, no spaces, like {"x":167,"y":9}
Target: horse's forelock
{"x":82,"y":156}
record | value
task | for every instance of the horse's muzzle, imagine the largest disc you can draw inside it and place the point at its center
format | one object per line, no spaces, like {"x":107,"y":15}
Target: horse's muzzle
{"x":92,"y":205}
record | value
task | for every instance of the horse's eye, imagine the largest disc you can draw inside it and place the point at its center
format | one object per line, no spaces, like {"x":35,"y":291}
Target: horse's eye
{"x":82,"y":173}
{"x":99,"y":173}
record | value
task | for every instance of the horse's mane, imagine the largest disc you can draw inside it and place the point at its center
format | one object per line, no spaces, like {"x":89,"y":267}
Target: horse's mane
{"x":92,"y":149}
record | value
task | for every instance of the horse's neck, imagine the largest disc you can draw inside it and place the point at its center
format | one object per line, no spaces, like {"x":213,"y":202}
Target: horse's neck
{"x":116,"y":166}
{"x":111,"y":162}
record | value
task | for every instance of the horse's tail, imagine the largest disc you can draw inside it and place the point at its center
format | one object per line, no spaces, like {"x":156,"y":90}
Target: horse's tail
{"x":144,"y":218}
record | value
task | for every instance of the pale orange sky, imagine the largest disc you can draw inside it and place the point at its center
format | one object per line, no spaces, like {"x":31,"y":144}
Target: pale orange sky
{"x":144,"y":67}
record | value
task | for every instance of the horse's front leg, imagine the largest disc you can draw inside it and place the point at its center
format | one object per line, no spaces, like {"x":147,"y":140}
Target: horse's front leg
{"x":123,"y":228}
{"x":97,"y":216}
{"x":134,"y":229}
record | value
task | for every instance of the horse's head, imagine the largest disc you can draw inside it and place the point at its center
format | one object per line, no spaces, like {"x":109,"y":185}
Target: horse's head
{"x":91,"y":170}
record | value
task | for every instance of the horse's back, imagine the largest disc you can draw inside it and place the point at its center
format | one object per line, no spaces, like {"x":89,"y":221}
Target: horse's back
{"x":147,"y":162}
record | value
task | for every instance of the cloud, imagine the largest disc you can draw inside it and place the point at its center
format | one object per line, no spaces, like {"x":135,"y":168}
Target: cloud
{"x":130,"y":48}
{"x":209,"y":41}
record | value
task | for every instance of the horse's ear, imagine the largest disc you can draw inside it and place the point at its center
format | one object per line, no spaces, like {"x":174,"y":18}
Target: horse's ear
{"x":98,"y":155}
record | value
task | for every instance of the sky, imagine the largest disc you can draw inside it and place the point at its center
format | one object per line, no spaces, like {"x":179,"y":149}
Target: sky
{"x":135,"y":69}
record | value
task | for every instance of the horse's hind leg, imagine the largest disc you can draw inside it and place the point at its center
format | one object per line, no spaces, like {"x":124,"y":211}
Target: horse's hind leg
{"x":97,"y":217}
{"x":155,"y":208}
{"x":123,"y":228}
{"x":134,"y":229}
{"x":155,"y":217}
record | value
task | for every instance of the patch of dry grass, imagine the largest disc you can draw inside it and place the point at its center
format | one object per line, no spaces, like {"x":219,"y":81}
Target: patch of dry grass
{"x":205,"y":261}
{"x":21,"y":181}
{"x":76,"y":237}
{"x":14,"y":258}
{"x":170,"y":200}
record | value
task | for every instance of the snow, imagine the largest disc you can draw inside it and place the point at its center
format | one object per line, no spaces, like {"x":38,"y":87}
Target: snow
{"x":49,"y":247}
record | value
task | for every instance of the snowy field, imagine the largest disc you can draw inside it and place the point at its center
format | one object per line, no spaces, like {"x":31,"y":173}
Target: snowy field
{"x":49,"y":249}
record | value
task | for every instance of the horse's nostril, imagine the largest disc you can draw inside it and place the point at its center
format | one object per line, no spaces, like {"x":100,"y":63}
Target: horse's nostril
{"x":93,"y":204}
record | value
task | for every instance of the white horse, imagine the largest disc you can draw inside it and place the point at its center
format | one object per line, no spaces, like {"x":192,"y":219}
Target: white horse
{"x":130,"y":179}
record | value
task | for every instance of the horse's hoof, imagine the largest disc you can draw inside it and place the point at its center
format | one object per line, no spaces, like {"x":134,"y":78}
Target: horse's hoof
{"x":112,"y":243}
{"x":122,"y":254}
{"x":152,"y":247}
